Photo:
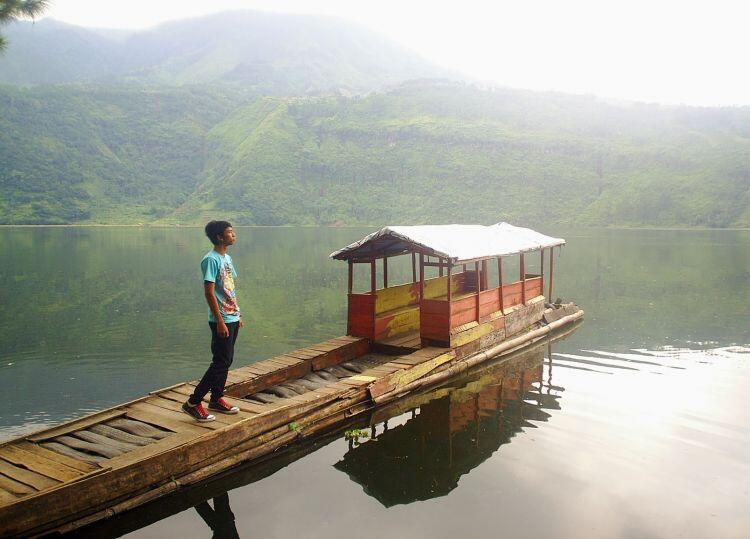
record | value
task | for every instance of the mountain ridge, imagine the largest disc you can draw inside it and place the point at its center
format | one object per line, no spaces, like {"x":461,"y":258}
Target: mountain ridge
{"x":272,"y":53}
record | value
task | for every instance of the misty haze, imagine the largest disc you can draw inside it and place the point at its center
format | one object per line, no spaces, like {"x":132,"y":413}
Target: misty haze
{"x":604,"y":149}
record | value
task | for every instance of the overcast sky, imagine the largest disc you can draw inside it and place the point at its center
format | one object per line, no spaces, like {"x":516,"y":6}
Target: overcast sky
{"x":693,"y":52}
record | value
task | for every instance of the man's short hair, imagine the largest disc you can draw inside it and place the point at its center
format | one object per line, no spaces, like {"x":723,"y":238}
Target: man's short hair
{"x":214,"y":229}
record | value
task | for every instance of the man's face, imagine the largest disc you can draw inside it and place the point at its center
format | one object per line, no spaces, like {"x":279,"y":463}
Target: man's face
{"x":228,"y":237}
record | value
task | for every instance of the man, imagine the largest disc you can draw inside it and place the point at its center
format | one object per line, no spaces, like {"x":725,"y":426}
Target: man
{"x":224,"y":319}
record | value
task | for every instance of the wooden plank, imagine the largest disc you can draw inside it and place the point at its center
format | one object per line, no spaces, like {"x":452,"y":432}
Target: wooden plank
{"x":75,"y":425}
{"x":269,"y":379}
{"x":38,"y":464}
{"x":6,"y":497}
{"x":173,"y":421}
{"x":354,"y":349}
{"x":403,"y":377}
{"x":288,"y":361}
{"x":14,"y":487}
{"x":27,"y":477}
{"x":83,"y":467}
{"x":62,"y":449}
{"x":150,"y":450}
{"x":176,"y":407}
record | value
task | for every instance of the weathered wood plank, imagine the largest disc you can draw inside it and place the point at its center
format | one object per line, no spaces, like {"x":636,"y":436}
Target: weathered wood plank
{"x":172,"y":406}
{"x":34,"y":449}
{"x":165,"y":419}
{"x":406,"y":376}
{"x":39,"y":464}
{"x":6,"y":497}
{"x":91,"y":447}
{"x":145,"y":452}
{"x":22,"y":475}
{"x":75,"y":425}
{"x":14,"y":487}
{"x":64,"y":450}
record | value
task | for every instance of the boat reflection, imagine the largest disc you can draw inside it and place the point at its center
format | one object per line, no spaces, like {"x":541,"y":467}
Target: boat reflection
{"x":450,"y":431}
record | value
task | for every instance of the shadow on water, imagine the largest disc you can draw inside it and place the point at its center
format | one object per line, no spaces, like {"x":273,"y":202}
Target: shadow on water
{"x":428,"y":441}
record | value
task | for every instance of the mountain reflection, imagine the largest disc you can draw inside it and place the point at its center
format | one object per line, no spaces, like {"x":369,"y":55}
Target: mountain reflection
{"x":451,"y":430}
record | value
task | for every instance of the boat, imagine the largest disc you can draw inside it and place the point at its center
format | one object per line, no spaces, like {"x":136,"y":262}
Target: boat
{"x":460,"y":423}
{"x":400,"y":339}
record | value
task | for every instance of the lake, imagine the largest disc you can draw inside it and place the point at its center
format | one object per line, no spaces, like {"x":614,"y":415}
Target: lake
{"x":633,"y":425}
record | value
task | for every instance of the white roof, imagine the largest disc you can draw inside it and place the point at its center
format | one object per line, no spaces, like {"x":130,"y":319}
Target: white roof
{"x":460,"y":243}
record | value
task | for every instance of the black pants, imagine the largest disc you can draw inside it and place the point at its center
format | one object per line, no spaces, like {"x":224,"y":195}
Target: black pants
{"x":216,"y":376}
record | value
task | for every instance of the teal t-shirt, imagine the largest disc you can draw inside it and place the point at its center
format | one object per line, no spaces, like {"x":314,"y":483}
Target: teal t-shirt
{"x":219,"y":270}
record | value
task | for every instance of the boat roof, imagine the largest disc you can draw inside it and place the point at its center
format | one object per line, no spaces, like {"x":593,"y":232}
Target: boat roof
{"x":459,"y":243}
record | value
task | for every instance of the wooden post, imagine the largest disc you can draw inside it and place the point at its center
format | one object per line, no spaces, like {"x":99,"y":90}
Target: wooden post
{"x":523,"y":281}
{"x":541,"y":272}
{"x":448,"y":293}
{"x":421,"y":276}
{"x":484,"y":274}
{"x":385,"y":272}
{"x":551,"y":270}
{"x":500,"y":281}
{"x":350,"y":287}
{"x":414,"y":267}
{"x":351,"y":277}
{"x":476,"y":274}
{"x":373,"y":284}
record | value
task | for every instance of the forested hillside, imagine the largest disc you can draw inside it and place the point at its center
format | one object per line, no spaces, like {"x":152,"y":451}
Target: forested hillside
{"x":421,"y":152}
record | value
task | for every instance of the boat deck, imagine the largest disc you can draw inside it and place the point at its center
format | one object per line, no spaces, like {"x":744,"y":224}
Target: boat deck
{"x":119,"y":441}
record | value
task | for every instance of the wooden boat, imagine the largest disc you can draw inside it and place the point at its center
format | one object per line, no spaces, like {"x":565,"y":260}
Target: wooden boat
{"x":463,"y":421}
{"x":399,"y":339}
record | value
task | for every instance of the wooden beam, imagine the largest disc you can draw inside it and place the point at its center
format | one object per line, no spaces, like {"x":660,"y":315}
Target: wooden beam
{"x":500,"y":281}
{"x":385,"y":272}
{"x":350,"y":286}
{"x":523,"y":280}
{"x":484,"y":274}
{"x":440,"y":267}
{"x":541,"y":271}
{"x":551,"y":270}
{"x":476,"y":303}
{"x":373,"y":284}
{"x":421,"y":276}
{"x":448,"y":285}
{"x":414,"y":267}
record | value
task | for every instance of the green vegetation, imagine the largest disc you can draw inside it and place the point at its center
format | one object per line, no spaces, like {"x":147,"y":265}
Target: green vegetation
{"x":422,"y":152}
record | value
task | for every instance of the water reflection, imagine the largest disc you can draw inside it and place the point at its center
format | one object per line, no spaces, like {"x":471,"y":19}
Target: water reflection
{"x":450,"y":431}
{"x":219,"y":517}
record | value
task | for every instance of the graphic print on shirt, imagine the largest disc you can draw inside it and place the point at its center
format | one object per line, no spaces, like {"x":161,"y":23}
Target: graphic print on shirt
{"x":228,"y":296}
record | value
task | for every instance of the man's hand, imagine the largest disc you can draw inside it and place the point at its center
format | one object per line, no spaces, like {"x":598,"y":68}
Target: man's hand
{"x":222,"y":330}
{"x":242,"y":324}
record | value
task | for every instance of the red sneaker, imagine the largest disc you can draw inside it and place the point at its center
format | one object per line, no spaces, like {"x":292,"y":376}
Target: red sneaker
{"x":197,"y":412}
{"x":222,"y":406}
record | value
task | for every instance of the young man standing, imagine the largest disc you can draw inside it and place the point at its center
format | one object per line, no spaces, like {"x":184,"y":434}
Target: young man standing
{"x":224,"y":319}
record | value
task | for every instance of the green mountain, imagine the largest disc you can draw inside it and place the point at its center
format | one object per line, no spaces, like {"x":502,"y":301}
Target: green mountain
{"x":270,"y":53}
{"x":421,"y":152}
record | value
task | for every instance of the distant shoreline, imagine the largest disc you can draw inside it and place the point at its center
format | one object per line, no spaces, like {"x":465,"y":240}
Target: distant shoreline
{"x":576,"y":227}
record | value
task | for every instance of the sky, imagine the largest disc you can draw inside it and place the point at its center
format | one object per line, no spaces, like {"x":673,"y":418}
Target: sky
{"x":672,"y":52}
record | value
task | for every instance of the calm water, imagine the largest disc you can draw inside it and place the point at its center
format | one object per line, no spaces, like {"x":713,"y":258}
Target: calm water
{"x":635,"y":425}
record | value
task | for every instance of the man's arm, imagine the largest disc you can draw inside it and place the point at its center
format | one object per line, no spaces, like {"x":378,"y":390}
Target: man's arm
{"x":208,"y":290}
